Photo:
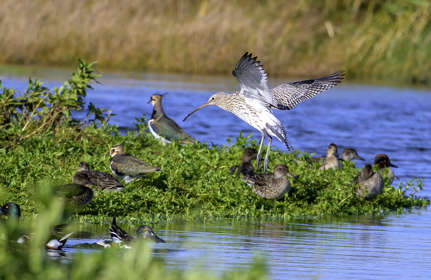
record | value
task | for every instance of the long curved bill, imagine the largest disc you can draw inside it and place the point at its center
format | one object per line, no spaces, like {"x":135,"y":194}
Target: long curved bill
{"x":359,"y":157}
{"x":197,"y":109}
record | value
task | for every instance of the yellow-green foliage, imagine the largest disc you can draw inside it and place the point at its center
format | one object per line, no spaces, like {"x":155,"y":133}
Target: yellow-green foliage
{"x":372,"y":39}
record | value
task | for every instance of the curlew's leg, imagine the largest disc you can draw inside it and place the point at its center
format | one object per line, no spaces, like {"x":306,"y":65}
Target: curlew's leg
{"x":265,"y":164}
{"x":260,"y":149}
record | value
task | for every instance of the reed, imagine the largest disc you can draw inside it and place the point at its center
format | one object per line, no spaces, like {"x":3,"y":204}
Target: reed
{"x":370,"y":39}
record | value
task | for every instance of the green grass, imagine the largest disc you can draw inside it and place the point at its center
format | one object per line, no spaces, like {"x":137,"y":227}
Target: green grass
{"x":43,"y":145}
{"x":195,"y":181}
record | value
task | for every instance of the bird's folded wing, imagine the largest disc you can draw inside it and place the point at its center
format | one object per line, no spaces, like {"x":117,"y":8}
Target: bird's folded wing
{"x":103,"y":179}
{"x":127,"y":164}
{"x":255,"y":179}
{"x":288,"y":95}
{"x":170,"y":130}
{"x":253,"y":79}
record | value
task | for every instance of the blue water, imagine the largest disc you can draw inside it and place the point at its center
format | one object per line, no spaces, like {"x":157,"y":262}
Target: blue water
{"x":372,"y":119}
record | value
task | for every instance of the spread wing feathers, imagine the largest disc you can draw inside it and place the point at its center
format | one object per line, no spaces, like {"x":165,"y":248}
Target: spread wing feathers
{"x":288,"y":95}
{"x":131,"y":166}
{"x":117,"y":233}
{"x":170,"y":130}
{"x":253,"y":79}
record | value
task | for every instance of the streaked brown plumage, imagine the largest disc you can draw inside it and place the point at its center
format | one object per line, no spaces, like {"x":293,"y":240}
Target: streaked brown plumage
{"x":98,"y":179}
{"x":253,"y":103}
{"x":271,"y":185}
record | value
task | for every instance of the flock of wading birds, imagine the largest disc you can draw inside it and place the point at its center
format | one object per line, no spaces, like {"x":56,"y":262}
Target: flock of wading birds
{"x":253,"y":104}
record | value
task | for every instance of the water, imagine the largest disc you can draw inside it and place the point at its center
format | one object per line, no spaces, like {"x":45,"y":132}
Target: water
{"x":372,"y":119}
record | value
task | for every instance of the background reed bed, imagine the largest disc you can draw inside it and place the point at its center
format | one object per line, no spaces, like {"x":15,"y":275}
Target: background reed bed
{"x":388,"y":40}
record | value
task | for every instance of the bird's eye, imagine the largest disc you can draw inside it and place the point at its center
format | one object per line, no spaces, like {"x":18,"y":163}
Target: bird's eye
{"x":7,"y":206}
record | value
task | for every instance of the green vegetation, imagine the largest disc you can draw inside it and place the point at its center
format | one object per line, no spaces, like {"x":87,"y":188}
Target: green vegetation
{"x":195,"y":182}
{"x":371,"y":39}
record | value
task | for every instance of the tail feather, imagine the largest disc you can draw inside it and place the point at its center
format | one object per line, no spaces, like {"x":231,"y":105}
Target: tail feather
{"x":63,"y":240}
{"x":117,"y":233}
{"x":280,"y":133}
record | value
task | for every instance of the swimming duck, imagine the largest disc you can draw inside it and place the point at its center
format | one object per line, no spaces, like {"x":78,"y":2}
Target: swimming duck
{"x":55,"y":244}
{"x":75,"y":195}
{"x":121,"y":237}
{"x":146,"y":232}
{"x":370,"y":183}
{"x":271,"y":185}
{"x":383,"y":163}
{"x":85,"y":176}
{"x":331,"y":159}
{"x":11,"y":209}
{"x":349,"y":153}
{"x":246,"y":168}
{"x":128,"y":167}
{"x":164,"y":128}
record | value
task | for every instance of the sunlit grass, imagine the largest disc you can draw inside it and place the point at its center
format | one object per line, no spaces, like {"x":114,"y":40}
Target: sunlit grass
{"x":42,"y":145}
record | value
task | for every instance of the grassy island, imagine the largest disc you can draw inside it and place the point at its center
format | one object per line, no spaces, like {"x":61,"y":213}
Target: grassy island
{"x":41,"y":142}
{"x":41,"y":145}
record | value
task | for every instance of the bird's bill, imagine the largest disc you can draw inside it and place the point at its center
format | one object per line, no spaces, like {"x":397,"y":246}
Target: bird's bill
{"x":359,"y":157}
{"x":197,"y":109}
{"x":291,"y":175}
{"x":393,"y":165}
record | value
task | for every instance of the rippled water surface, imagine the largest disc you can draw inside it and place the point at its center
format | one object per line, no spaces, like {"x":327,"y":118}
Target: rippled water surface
{"x":372,"y":119}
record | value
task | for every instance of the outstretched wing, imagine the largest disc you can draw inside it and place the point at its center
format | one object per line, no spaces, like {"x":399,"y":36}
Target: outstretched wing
{"x":288,"y":95}
{"x":253,"y":79}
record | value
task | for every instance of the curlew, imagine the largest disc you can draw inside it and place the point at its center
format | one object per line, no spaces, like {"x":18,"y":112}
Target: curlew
{"x":255,"y":100}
